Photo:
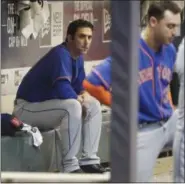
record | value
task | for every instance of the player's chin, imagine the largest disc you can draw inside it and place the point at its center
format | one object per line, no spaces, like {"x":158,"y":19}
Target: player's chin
{"x":170,"y":40}
{"x":84,"y":51}
{"x":167,"y":42}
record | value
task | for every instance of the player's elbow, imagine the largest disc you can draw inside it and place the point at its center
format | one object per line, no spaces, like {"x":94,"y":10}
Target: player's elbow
{"x":85,"y":84}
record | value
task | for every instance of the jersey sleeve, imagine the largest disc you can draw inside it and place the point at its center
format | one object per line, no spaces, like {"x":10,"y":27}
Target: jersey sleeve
{"x":81,"y":77}
{"x":61,"y":76}
{"x":99,"y":92}
{"x":101,"y":74}
{"x":62,"y":69}
{"x":94,"y":79}
{"x":64,"y":90}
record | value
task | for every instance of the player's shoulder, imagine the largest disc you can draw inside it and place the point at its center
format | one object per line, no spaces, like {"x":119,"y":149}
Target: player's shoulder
{"x":107,"y":61}
{"x":62,"y":54}
{"x":144,"y":49}
{"x":62,"y":50}
{"x":55,"y":53}
{"x":104,"y":65}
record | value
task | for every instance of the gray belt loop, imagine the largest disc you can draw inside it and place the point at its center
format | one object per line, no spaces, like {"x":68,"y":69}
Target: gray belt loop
{"x":144,"y":124}
{"x":162,"y":123}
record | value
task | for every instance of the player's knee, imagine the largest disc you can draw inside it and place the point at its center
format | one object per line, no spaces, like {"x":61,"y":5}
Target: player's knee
{"x":95,"y":105}
{"x":74,"y":107}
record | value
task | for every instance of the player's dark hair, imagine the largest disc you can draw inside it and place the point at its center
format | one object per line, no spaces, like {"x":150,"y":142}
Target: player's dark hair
{"x":157,"y":9}
{"x":76,"y":24}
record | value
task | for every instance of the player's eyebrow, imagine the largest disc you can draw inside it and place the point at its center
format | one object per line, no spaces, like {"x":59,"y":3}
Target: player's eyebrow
{"x":84,"y":35}
{"x":173,"y":24}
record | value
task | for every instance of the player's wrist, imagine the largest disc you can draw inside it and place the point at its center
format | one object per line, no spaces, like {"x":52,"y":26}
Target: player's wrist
{"x":83,"y":92}
{"x":80,"y":99}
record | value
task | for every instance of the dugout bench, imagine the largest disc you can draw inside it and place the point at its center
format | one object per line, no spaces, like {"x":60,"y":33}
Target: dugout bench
{"x":18,"y":154}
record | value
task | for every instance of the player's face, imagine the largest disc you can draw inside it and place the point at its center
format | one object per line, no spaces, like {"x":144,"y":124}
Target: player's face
{"x":82,"y":40}
{"x":166,"y":29}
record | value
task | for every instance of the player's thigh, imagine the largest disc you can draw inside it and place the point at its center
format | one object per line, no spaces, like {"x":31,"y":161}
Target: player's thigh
{"x":177,"y":152}
{"x":170,"y":127}
{"x":149,"y":144}
{"x":92,"y":105}
{"x":49,"y":114}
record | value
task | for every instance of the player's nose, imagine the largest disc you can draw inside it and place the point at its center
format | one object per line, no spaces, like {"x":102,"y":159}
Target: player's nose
{"x":86,"y":41}
{"x":174,"y":32}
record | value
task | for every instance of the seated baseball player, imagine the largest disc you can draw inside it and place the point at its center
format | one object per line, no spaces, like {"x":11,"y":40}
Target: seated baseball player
{"x":51,"y":96}
{"x":98,"y":82}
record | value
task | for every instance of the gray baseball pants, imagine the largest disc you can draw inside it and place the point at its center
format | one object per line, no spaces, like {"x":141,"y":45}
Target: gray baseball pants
{"x":66,"y":117}
{"x":178,"y":153}
{"x":151,"y":140}
{"x":178,"y":147}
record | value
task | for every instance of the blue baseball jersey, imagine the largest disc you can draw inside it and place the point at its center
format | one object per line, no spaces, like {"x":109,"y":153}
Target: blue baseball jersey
{"x":101,"y":74}
{"x":155,"y":74}
{"x":55,"y":76}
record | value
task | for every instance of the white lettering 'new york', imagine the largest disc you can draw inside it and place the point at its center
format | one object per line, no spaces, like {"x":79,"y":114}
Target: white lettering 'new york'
{"x":164,"y":73}
{"x":145,"y":75}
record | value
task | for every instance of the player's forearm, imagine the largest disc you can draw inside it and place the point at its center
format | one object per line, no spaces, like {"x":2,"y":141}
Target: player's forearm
{"x":65,"y":90}
{"x":81,"y":90}
{"x":98,"y":92}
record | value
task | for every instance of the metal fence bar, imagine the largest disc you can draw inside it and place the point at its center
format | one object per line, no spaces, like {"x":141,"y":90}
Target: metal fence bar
{"x":125,"y":36}
{"x":26,"y":177}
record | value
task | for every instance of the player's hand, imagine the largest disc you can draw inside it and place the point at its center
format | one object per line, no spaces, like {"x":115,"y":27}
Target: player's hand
{"x":80,"y":99}
{"x":84,"y":110}
{"x":86,"y":97}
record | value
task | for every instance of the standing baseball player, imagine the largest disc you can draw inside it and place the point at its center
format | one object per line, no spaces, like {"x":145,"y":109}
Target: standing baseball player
{"x":178,"y":147}
{"x":157,"y":55}
{"x":51,"y":96}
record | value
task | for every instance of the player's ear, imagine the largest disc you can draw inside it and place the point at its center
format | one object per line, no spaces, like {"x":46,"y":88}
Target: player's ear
{"x":153,"y":21}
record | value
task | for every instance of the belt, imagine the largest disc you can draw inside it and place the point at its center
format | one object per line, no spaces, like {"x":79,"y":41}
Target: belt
{"x":147,"y":123}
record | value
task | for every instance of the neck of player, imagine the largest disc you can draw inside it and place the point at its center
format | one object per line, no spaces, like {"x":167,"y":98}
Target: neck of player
{"x":148,"y":37}
{"x":72,"y":51}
